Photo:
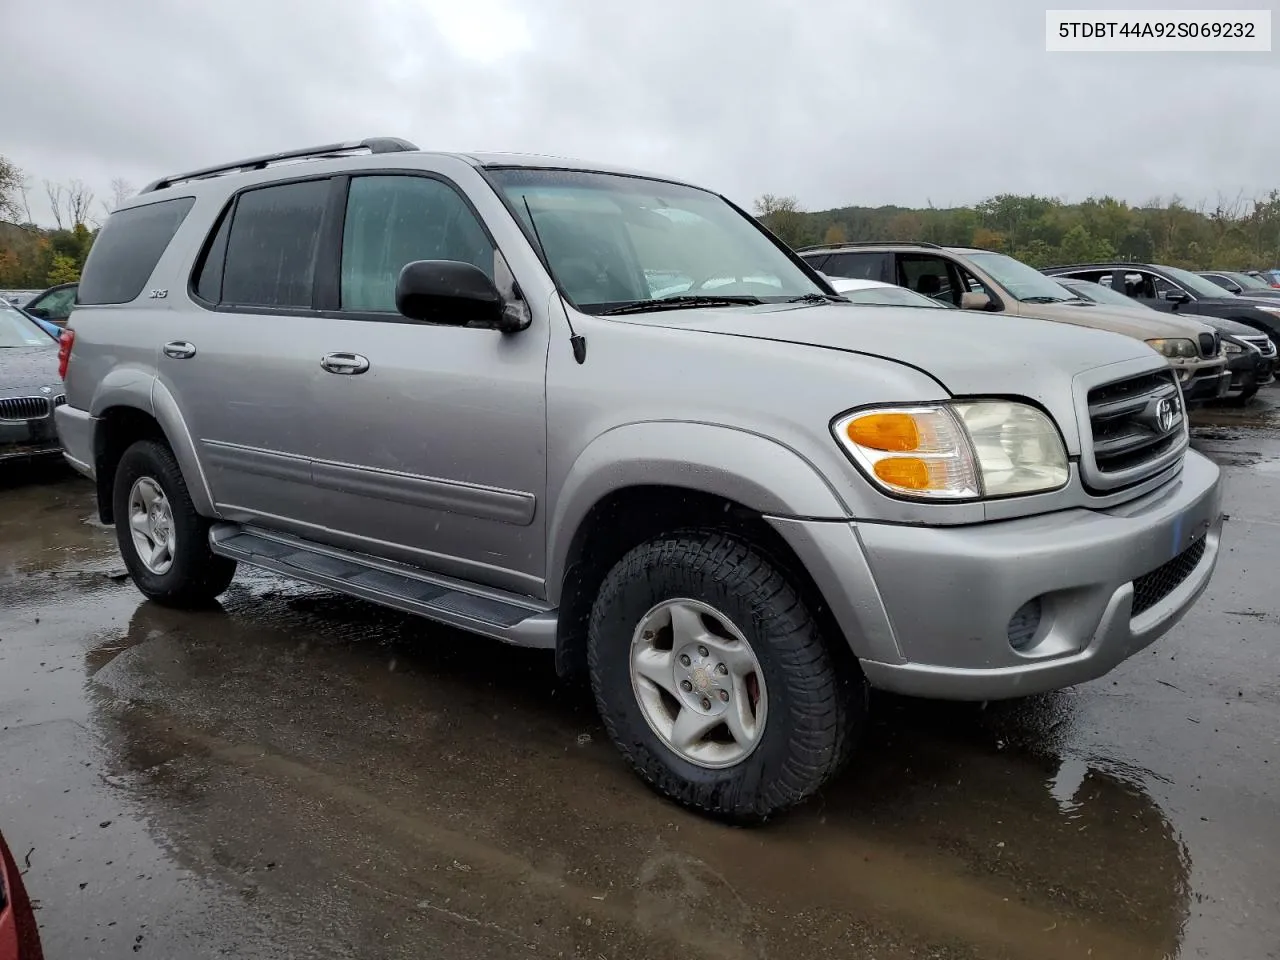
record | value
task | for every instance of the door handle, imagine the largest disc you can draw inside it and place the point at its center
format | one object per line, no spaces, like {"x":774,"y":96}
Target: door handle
{"x":179,"y":349}
{"x":344,"y":363}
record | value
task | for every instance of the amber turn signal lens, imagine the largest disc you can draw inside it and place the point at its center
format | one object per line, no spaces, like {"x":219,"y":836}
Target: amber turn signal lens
{"x":909,"y":473}
{"x":885,"y":431}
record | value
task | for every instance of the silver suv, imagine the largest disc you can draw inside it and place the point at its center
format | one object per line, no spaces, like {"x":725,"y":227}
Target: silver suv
{"x":608,"y":415}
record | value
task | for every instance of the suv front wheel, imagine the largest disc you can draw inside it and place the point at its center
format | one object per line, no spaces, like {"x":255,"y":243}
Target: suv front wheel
{"x":164,"y":542}
{"x":712,"y":678}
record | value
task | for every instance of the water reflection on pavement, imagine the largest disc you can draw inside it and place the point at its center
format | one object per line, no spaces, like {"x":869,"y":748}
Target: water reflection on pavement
{"x":299,"y":774}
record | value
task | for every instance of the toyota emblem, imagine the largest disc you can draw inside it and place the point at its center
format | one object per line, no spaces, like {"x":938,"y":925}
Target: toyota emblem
{"x":1166,"y":414}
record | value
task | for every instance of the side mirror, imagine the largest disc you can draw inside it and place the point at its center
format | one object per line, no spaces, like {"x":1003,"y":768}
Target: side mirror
{"x":1177,"y":296}
{"x":974,"y":300}
{"x":448,"y":292}
{"x":40,"y":312}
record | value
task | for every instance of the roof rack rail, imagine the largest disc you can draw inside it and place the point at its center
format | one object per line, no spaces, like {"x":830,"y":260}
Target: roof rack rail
{"x":372,"y":144}
{"x":1098,"y":263}
{"x":871,"y":243}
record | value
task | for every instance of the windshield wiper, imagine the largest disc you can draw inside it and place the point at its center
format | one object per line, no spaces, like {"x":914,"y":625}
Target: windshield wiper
{"x":680,"y":303}
{"x":1044,"y":299}
{"x":819,"y":298}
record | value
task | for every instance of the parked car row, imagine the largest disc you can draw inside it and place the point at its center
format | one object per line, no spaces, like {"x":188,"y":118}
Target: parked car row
{"x":1221,"y":345}
{"x":607,"y":414}
{"x":1251,"y":356}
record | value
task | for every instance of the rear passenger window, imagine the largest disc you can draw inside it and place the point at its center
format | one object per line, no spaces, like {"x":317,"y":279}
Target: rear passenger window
{"x":861,"y":266}
{"x":128,"y":248}
{"x":393,"y":220}
{"x":271,"y":246}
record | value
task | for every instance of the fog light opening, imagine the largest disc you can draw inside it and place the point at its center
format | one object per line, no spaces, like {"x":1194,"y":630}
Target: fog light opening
{"x":1024,"y":625}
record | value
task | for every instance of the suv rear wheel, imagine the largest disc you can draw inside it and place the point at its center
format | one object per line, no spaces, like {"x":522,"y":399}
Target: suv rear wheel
{"x":713,"y":680}
{"x":164,"y":542}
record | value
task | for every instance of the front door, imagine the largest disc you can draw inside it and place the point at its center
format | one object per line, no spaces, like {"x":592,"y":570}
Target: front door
{"x":432,"y":449}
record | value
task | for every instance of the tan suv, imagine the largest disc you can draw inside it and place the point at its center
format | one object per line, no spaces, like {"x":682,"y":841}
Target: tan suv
{"x":974,"y":279}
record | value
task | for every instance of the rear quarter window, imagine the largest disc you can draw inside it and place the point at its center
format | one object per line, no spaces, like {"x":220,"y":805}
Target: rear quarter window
{"x":128,"y":249}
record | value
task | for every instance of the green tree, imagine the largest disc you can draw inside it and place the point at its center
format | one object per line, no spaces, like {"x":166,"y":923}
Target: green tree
{"x":1080,"y":246}
{"x":63,"y":270}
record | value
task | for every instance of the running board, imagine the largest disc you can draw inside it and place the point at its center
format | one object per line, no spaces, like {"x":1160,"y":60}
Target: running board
{"x":504,"y":616}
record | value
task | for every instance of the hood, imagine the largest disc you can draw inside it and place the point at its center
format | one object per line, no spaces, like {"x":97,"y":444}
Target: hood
{"x":1252,"y":301}
{"x":24,"y":370}
{"x":1233,"y":328}
{"x":1141,"y":323}
{"x":1270,"y":294}
{"x":968,"y":353}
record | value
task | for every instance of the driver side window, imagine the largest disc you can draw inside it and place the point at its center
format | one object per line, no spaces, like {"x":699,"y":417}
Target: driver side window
{"x":57,"y":305}
{"x":1140,"y":286}
{"x":932,"y":276}
{"x":393,"y":220}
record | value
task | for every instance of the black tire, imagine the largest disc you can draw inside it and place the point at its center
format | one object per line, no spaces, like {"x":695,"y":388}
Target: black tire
{"x":197,"y":576}
{"x":816,"y":705}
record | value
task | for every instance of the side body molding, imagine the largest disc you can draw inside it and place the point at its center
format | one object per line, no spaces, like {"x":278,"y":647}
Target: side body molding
{"x":748,"y":468}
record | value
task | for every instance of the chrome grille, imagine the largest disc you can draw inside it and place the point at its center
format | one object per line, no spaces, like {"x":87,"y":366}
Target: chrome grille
{"x":24,"y":408}
{"x":1209,"y":345}
{"x":1138,"y":428}
{"x":1263,"y":343}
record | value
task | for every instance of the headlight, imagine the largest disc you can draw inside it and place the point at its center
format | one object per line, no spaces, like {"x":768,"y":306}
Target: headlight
{"x":1232,"y":347}
{"x":1175,"y":348}
{"x":957,"y":451}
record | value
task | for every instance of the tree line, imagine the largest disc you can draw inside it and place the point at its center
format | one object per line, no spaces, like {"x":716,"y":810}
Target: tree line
{"x":35,"y":257}
{"x":1235,"y":234}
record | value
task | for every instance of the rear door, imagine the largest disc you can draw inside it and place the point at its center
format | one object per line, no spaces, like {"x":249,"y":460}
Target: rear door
{"x":242,"y":358}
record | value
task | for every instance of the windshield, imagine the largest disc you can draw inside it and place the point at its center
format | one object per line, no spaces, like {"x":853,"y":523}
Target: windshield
{"x":890,"y":296}
{"x":1021,"y":281}
{"x":614,"y":240}
{"x":1196,"y":284}
{"x":1099,"y":294}
{"x":19,"y":330}
{"x":1248,"y":282}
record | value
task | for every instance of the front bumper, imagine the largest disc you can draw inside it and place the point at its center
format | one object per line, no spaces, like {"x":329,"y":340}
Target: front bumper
{"x":1206,"y":385}
{"x":928,"y":610}
{"x":1250,"y":371}
{"x":28,"y":439}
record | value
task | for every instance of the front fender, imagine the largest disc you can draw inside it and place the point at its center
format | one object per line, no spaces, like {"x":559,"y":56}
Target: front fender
{"x":750,"y":469}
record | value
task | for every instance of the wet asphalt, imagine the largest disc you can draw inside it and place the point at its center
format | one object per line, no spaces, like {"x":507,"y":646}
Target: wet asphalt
{"x":298,"y":774}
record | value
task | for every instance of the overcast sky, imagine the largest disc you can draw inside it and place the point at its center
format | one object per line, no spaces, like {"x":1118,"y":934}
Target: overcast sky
{"x":836,"y":102}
